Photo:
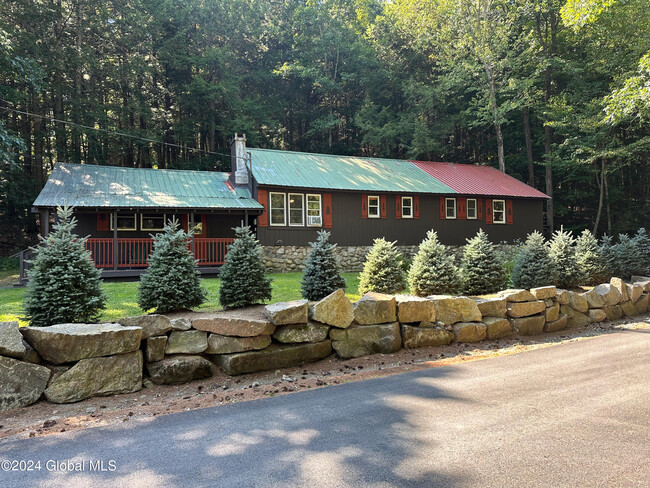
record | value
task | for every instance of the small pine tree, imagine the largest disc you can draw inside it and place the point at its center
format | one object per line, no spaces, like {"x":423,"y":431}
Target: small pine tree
{"x":64,"y":285}
{"x":243,"y":274}
{"x":642,"y":242}
{"x":433,"y":270}
{"x":321,"y":276}
{"x":481,"y":269}
{"x":172,"y":281}
{"x":608,"y":250}
{"x":533,"y":266}
{"x":382,"y":270}
{"x":563,"y":253}
{"x":629,"y":257}
{"x":591,"y":259}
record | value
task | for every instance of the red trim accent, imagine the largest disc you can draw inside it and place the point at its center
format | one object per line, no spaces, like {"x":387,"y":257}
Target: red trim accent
{"x":327,"y":210}
{"x":442,"y":208}
{"x":509,"y":212}
{"x":364,"y":206}
{"x":479,"y":208}
{"x":416,"y":207}
{"x":263,"y":198}
{"x":398,"y":206}
{"x":102,"y":221}
{"x":462,"y":208}
{"x":229,"y":185}
{"x":185,"y":219}
{"x":488,"y":210}
{"x":383,"y":206}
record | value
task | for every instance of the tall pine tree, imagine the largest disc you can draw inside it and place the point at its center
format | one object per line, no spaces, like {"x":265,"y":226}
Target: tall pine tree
{"x":322,"y":275}
{"x":481,"y":269}
{"x":591,"y":260}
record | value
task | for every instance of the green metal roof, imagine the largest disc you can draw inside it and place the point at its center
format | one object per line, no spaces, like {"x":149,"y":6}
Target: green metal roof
{"x":84,"y":185}
{"x":325,"y":171}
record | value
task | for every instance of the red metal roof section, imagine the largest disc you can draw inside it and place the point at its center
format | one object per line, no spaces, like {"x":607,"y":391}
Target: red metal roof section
{"x":469,"y":179}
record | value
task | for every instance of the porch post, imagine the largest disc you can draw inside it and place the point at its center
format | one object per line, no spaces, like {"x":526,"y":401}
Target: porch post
{"x":45,"y":222}
{"x":192,"y":228}
{"x":245,"y":218}
{"x":115,"y":239}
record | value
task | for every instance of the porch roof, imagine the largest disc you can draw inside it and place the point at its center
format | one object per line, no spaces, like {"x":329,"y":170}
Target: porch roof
{"x":84,"y":185}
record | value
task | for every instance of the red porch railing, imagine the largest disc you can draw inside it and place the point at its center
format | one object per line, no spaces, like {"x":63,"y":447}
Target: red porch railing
{"x":134,"y":253}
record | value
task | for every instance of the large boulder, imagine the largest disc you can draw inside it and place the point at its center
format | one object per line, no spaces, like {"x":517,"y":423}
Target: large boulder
{"x":218,"y":344}
{"x":335,"y":310}
{"x":65,"y":343}
{"x":613,"y":312}
{"x":362,"y":340}
{"x":620,"y":285}
{"x":563,"y":297}
{"x":544,"y":292}
{"x":492,"y":307}
{"x":175,"y":370}
{"x":629,"y":309}
{"x":517,"y":295}
{"x":283,"y":313}
{"x":594,"y":300}
{"x":187,"y":342}
{"x":414,"y":337}
{"x":273,"y":357}
{"x":578,"y":303}
{"x":21,"y":383}
{"x":470,"y":331}
{"x":609,"y":294}
{"x":642,"y":281}
{"x":575,"y":318}
{"x":497,"y":327}
{"x":526,"y":326}
{"x":526,"y":309}
{"x":181,"y":323}
{"x":556,"y":325}
{"x":412,"y":309}
{"x":634,"y":292}
{"x":231,"y":325}
{"x":155,"y":348}
{"x":152,"y":325}
{"x":643,"y":303}
{"x":552,"y":313}
{"x":11,"y":340}
{"x":296,"y":333}
{"x":450,"y":310}
{"x":375,"y":308}
{"x":596,"y":314}
{"x":98,"y":377}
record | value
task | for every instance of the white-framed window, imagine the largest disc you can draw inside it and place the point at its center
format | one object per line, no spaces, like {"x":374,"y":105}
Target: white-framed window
{"x":314,"y":211}
{"x":472,"y":208}
{"x":296,"y":209}
{"x":125,"y":221}
{"x":499,"y":211}
{"x":450,"y":208}
{"x":407,"y":207}
{"x":278,"y":208}
{"x":373,"y":207}
{"x":152,"y":221}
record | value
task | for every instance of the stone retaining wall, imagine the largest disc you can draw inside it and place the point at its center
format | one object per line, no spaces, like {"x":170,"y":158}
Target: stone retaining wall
{"x":70,"y":362}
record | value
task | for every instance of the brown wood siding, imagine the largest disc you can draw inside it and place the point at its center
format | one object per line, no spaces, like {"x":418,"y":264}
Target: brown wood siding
{"x":349,"y":228}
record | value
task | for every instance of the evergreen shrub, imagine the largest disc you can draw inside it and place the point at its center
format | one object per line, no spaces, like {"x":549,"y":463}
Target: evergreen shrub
{"x":433,"y":271}
{"x":322,"y":275}
{"x":382,"y":269}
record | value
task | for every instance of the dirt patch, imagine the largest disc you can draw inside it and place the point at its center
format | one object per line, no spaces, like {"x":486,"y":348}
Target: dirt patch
{"x":45,"y":418}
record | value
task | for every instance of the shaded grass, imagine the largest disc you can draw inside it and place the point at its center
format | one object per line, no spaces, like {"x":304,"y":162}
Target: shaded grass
{"x":123,"y":296}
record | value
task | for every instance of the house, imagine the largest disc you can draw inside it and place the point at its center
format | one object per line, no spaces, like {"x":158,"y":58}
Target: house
{"x":287,"y":196}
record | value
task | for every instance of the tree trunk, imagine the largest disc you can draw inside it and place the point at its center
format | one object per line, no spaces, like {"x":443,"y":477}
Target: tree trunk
{"x":495,"y":116}
{"x":609,"y":214}
{"x":59,"y":127}
{"x":38,"y":136}
{"x":529,"y":147}
{"x":76,"y":134}
{"x":601,"y":198}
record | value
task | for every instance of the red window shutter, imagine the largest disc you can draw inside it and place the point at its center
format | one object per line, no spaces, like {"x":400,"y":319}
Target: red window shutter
{"x":488,"y":211}
{"x":263,"y":198}
{"x":462,"y":208}
{"x":398,"y":207}
{"x":185,"y":222}
{"x":442,"y":208}
{"x":479,"y":209}
{"x":508,"y":211}
{"x":416,"y":207}
{"x":102,"y":222}
{"x":327,"y":209}
{"x":383,"y":206}
{"x":364,"y":206}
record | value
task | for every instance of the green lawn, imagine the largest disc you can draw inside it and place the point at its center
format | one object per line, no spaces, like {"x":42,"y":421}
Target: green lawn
{"x":122,"y":296}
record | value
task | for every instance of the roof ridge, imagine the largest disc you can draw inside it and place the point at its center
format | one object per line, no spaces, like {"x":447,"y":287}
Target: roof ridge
{"x":85,"y":165}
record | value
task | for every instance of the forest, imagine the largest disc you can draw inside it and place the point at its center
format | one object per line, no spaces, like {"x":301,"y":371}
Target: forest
{"x":553,"y":92}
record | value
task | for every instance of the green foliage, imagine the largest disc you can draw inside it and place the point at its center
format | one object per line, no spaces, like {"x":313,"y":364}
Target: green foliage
{"x":629,"y":257}
{"x":562,"y":250}
{"x":243,"y":274}
{"x":481,"y":268}
{"x":382,"y":270}
{"x":591,"y":260}
{"x":608,"y":250}
{"x":642,"y":242}
{"x":534,"y":266}
{"x":64,"y":285}
{"x":172,"y":281}
{"x":322,"y":275}
{"x":433,"y":271}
